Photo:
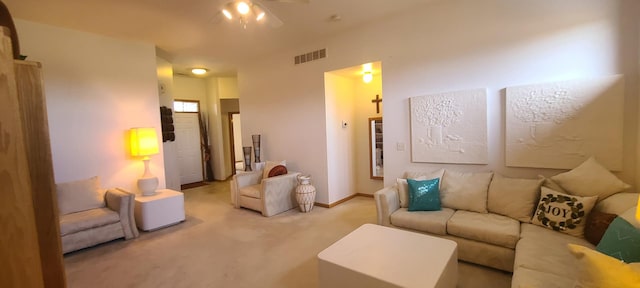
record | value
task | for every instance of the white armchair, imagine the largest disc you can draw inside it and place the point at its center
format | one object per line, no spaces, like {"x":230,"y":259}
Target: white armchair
{"x":271,"y":196}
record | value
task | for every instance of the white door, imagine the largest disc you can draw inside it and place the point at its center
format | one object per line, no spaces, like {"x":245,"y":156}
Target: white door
{"x":187,"y":131}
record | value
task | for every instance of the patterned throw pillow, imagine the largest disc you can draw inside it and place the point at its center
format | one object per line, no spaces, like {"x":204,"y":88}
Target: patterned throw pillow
{"x":562,"y":212}
{"x":424,"y":195}
{"x":269,"y":165}
{"x":621,"y":241}
{"x":277,"y":171}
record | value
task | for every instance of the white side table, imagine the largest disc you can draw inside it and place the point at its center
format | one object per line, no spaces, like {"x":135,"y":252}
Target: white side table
{"x":157,"y":211}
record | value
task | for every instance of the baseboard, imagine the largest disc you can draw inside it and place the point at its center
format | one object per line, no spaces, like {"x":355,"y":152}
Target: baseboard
{"x":345,"y":199}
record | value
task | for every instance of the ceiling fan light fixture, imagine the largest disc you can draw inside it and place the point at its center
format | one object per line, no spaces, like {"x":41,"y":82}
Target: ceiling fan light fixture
{"x":243,"y":8}
{"x":227,"y":14}
{"x":259,"y":12}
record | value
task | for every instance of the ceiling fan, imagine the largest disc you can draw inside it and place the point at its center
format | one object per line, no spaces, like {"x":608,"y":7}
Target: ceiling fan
{"x":247,"y":11}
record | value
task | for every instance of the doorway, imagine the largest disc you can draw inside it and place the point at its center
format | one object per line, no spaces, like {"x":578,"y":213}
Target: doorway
{"x":235,"y":139}
{"x":187,"y":130}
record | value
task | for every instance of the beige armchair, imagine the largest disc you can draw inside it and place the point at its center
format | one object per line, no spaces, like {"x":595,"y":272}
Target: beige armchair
{"x":90,"y":215}
{"x":271,"y":196}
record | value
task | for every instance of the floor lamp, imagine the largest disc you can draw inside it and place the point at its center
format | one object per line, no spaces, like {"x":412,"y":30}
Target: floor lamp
{"x":144,"y":143}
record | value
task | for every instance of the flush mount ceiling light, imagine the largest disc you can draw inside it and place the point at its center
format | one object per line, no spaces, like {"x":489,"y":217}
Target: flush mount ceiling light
{"x":199,"y":71}
{"x":367,"y":76}
{"x":247,"y":11}
{"x":367,"y":72}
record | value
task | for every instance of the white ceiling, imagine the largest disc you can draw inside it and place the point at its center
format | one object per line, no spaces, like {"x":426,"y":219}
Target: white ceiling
{"x":193,"y":33}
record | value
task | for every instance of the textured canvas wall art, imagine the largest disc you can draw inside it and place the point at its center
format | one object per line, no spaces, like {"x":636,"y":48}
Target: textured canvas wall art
{"x":559,"y":125}
{"x":450,"y":127}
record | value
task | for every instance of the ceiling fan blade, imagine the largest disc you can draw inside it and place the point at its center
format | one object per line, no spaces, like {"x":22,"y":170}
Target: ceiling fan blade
{"x":289,"y":1}
{"x":271,"y":18}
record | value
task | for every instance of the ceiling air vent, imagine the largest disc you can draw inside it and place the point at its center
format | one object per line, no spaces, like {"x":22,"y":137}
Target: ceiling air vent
{"x":310,"y":56}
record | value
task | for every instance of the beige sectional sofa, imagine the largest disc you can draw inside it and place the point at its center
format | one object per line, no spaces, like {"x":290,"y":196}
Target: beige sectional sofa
{"x":498,"y":233}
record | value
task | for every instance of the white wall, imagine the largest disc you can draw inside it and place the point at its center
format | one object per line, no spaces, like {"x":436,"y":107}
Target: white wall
{"x":170,"y":148}
{"x":190,"y":88}
{"x":215,"y":130}
{"x":340,"y":108}
{"x":364,"y":93}
{"x":96,"y":89}
{"x":228,"y":87}
{"x":444,"y":46}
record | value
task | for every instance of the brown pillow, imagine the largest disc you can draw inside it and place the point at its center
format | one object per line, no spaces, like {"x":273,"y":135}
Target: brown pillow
{"x":597,"y":224}
{"x":277,"y":170}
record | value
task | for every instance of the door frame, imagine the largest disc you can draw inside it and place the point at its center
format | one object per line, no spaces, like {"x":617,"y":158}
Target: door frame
{"x":232,"y":142}
{"x":202,"y":163}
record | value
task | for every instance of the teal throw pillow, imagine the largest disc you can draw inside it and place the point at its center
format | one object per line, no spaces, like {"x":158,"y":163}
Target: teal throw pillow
{"x":621,"y":240}
{"x":424,"y":195}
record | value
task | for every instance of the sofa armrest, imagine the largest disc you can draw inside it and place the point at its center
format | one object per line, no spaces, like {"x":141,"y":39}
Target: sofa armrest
{"x":387,"y":202}
{"x":123,"y":202}
{"x":278,"y":193}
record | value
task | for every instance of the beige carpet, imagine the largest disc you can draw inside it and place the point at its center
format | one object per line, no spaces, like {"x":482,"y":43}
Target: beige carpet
{"x":219,"y":246}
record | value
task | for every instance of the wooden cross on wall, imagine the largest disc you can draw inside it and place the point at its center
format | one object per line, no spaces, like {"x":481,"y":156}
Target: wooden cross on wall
{"x":378,"y":100}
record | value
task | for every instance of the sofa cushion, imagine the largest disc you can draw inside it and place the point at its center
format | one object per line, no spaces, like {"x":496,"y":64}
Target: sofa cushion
{"x":546,"y":250}
{"x":622,"y":241}
{"x":630,"y":216}
{"x":81,"y":195}
{"x":590,"y":179}
{"x":424,"y":195}
{"x":403,"y":189}
{"x":465,"y":191}
{"x":434,"y":222}
{"x":424,"y":174}
{"x":79,"y":221}
{"x":485,"y":227}
{"x":252,"y":191}
{"x":599,"y":270}
{"x":617,"y":203}
{"x":563,"y":212}
{"x":525,"y":277}
{"x":513,"y":197}
{"x":552,"y":185}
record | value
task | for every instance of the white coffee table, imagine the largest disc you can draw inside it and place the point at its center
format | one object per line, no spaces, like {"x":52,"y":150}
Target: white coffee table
{"x":375,"y":256}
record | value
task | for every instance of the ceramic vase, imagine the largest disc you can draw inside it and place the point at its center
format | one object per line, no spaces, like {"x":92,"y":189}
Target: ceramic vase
{"x":305,"y":193}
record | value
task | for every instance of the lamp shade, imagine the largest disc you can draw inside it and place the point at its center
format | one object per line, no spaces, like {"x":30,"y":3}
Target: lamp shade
{"x":143,"y":141}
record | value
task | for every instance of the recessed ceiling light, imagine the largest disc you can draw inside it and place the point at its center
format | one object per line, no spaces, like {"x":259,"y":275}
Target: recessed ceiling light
{"x":199,"y":71}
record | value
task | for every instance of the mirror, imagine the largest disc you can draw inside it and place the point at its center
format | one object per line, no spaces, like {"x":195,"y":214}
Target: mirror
{"x":376,"y":167}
